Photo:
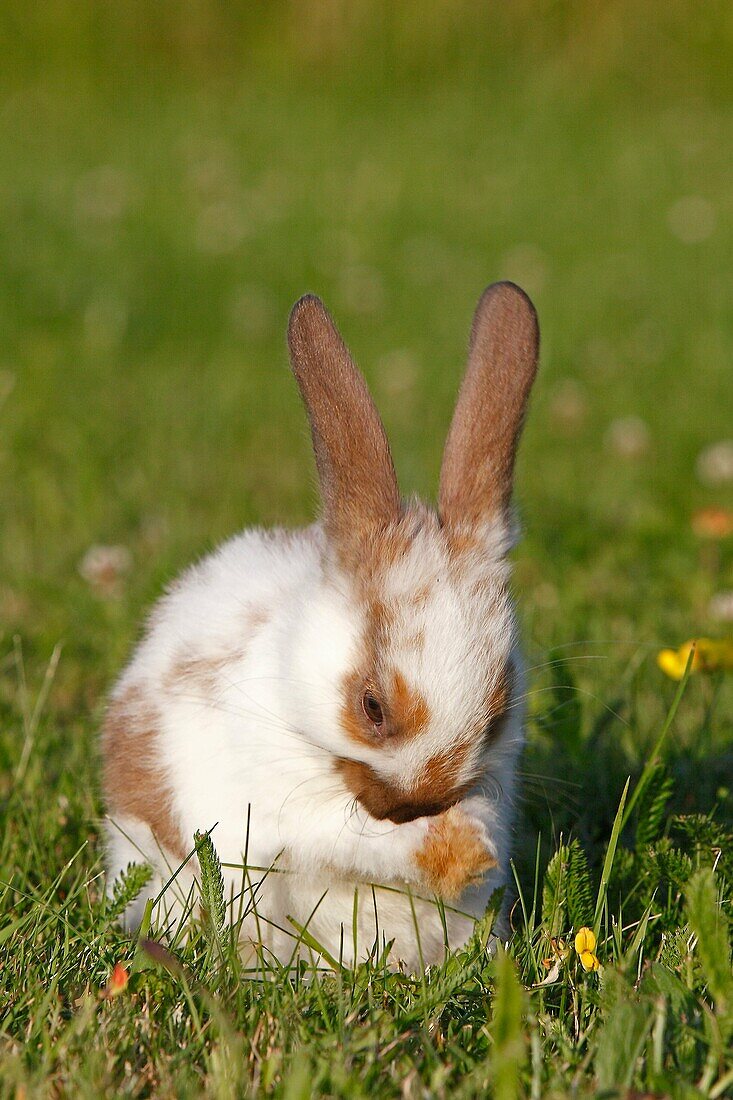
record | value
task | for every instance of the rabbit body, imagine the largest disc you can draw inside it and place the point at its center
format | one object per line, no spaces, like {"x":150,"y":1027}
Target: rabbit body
{"x":341,"y":705}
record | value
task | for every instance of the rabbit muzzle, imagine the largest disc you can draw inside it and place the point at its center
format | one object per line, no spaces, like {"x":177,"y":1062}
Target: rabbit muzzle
{"x":384,"y":800}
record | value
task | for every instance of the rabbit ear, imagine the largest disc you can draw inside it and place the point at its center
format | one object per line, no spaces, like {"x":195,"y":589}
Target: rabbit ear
{"x":357,"y":477}
{"x":478,"y":462}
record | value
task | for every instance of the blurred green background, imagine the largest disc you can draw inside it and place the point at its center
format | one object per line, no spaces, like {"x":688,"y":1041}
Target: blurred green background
{"x":174,"y":175}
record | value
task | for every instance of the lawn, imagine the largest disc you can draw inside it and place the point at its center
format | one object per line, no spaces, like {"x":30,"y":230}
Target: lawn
{"x":170,"y":182}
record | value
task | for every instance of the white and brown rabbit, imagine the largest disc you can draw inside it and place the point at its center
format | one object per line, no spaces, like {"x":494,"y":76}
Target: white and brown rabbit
{"x":343,"y":701}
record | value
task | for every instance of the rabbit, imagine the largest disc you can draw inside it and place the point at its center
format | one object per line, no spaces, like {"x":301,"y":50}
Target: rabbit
{"x":342,"y":705}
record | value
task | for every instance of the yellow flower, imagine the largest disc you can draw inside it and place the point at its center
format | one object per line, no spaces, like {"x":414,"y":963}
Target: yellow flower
{"x":585,"y":945}
{"x":715,"y":655}
{"x":710,"y":655}
{"x":589,"y":961}
{"x":585,"y":940}
{"x":673,"y":662}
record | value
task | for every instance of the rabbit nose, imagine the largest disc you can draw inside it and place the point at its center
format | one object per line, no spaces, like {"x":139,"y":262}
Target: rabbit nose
{"x":383,"y":800}
{"x":408,"y":811}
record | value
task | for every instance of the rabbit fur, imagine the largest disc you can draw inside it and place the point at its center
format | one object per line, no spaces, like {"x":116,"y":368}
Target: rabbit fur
{"x":342,"y":705}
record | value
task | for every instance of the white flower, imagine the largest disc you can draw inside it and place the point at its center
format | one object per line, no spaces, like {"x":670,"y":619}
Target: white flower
{"x":721,"y":606}
{"x":628,"y":436}
{"x":104,"y":567}
{"x":715,"y":463}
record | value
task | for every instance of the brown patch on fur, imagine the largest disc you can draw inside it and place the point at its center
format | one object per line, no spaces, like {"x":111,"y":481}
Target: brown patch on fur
{"x":199,"y":672}
{"x":374,"y":794}
{"x":410,"y":713}
{"x":478,"y":462}
{"x":351,"y":717}
{"x":453,"y":855}
{"x":380,"y":619}
{"x":437,"y":787}
{"x":462,"y":543}
{"x":502,"y":691}
{"x":481,"y":588}
{"x":387,"y":546}
{"x":406,"y":714}
{"x":383,"y":800}
{"x":443,"y":771}
{"x":204,"y":672}
{"x":420,"y":596}
{"x":357,"y":477}
{"x":394,"y":544}
{"x":133,"y":780}
{"x":403,"y":710}
{"x":497,"y":704}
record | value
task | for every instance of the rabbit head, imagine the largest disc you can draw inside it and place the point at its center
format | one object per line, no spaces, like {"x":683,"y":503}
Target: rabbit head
{"x":407,"y":654}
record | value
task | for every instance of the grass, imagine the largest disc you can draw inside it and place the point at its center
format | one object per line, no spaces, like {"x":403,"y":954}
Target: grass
{"x":164,"y":199}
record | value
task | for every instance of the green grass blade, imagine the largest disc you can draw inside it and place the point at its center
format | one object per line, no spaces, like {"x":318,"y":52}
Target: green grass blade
{"x":653,"y":759}
{"x":310,"y":940}
{"x":508,"y":1051}
{"x":608,"y":861}
{"x":713,"y":948}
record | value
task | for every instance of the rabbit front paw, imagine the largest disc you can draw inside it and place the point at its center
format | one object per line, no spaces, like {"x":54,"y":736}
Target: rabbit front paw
{"x":455,"y":853}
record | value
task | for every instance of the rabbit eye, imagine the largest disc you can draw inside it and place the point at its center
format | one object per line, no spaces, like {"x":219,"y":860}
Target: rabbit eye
{"x":372,"y":708}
